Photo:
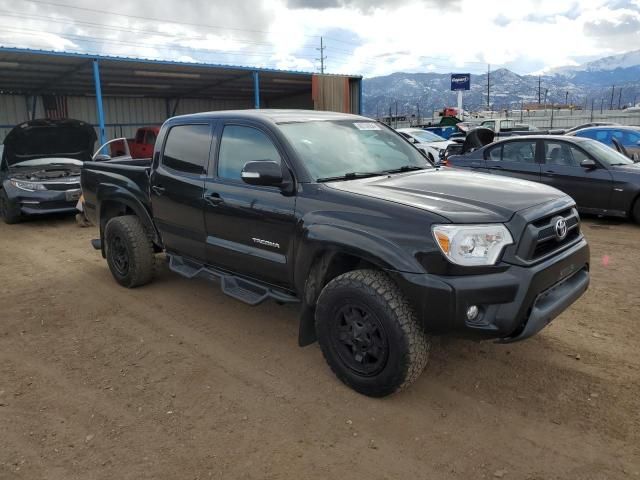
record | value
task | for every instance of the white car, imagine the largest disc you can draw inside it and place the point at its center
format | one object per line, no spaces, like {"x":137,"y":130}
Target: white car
{"x":433,"y":145}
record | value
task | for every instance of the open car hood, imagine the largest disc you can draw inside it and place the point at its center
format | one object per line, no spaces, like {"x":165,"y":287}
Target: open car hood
{"x":47,"y":138}
{"x":478,"y":138}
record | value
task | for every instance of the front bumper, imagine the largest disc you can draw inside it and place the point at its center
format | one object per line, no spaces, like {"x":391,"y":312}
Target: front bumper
{"x":514,"y":304}
{"x":43,"y":201}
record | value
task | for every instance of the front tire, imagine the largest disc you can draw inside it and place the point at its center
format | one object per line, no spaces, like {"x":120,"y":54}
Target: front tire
{"x":9,"y":211}
{"x":129,"y":251}
{"x":369,"y":333}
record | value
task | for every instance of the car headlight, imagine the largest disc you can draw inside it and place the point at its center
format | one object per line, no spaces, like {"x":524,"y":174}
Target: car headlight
{"x":28,"y":186}
{"x":471,"y":245}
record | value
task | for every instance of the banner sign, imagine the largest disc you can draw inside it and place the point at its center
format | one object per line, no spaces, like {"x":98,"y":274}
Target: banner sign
{"x":460,"y":81}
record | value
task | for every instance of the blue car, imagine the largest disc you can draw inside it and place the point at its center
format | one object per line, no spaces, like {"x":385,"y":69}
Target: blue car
{"x":614,"y":136}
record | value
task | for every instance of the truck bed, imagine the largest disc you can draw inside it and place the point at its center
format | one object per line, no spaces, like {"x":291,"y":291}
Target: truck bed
{"x":125,"y":176}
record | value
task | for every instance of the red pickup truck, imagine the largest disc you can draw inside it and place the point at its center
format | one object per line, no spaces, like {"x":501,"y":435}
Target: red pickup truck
{"x":141,"y":146}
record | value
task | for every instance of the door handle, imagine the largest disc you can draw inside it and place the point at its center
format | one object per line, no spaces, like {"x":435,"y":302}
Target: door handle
{"x":497,"y":167}
{"x":549,"y":172}
{"x":158,"y":190}
{"x":476,"y":164}
{"x":214,"y":199}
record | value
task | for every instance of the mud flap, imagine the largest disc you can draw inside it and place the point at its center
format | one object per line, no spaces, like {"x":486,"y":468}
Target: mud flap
{"x":307,"y":331}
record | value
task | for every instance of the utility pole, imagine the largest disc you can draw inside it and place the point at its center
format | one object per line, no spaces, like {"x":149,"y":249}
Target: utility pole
{"x":488,"y":85}
{"x":539,"y":89}
{"x":322,"y":55}
{"x":419,"y":118}
{"x":396,"y":122}
{"x":601,"y":105}
{"x":620,"y":99}
{"x":566,"y":98}
{"x":613,"y":89}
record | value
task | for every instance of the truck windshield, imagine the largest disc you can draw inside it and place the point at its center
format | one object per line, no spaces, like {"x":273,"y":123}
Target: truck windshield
{"x":332,"y":149}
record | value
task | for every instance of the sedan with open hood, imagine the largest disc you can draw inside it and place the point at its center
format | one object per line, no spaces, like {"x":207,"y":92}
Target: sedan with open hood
{"x":40,"y":167}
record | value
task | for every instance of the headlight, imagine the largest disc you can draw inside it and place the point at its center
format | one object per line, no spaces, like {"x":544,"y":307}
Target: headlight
{"x":471,"y":245}
{"x":28,"y":186}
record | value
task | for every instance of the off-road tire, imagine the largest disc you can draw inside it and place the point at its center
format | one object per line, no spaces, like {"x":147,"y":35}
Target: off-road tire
{"x":407,"y":344}
{"x":635,"y":212}
{"x":126,"y":235}
{"x":9,"y":212}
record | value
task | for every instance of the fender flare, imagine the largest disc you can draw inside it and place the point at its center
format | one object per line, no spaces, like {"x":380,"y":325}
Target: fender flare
{"x":318,"y":246}
{"x":114,"y":194}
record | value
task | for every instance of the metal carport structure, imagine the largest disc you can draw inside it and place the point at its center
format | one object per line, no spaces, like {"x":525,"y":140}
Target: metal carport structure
{"x":118,"y":94}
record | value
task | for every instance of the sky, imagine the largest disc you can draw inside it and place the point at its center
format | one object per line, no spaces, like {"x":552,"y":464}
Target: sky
{"x":364,"y":37}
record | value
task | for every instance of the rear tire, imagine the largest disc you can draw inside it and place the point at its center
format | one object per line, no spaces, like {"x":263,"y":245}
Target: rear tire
{"x":129,"y":251}
{"x":369,"y":333}
{"x":9,"y":211}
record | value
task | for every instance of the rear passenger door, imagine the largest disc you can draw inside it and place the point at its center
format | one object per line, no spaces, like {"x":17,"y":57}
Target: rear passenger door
{"x":250,"y":229}
{"x":514,"y":158}
{"x":177,"y":185}
{"x":590,"y":188}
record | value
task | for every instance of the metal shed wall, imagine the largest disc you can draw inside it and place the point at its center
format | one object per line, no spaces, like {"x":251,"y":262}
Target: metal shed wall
{"x":123,"y":115}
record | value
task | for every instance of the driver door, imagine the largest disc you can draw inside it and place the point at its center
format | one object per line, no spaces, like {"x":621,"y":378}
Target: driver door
{"x":250,"y":229}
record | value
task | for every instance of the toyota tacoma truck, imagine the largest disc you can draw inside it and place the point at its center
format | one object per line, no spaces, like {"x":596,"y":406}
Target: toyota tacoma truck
{"x":344,"y":216}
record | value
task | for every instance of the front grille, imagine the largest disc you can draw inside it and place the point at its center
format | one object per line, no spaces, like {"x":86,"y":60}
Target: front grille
{"x":61,"y":187}
{"x":539,"y":239}
{"x":549,"y":245}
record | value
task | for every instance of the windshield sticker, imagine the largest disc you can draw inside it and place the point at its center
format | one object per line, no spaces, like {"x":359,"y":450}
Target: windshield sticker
{"x":367,"y":126}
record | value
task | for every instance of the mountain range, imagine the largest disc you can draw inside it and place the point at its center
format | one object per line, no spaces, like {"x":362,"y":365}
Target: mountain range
{"x":581,"y":85}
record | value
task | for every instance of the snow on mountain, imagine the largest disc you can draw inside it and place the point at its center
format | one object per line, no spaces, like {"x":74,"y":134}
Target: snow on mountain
{"x":581,"y":85}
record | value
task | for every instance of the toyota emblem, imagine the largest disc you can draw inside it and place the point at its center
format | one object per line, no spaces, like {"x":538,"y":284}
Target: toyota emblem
{"x":561,"y":229}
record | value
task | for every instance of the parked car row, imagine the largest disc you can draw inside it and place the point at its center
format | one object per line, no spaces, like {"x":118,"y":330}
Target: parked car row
{"x":601,"y":180}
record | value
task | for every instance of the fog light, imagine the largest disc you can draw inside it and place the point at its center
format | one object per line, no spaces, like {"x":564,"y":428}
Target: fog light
{"x":472,"y":312}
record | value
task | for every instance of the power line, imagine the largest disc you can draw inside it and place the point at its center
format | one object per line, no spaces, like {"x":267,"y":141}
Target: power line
{"x":124,"y":30}
{"x":155,"y":19}
{"x":101,"y":40}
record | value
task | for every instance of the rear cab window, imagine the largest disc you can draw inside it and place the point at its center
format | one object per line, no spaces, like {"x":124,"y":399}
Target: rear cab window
{"x":187,"y":147}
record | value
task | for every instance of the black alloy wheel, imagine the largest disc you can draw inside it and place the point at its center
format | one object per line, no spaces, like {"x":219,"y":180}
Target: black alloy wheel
{"x":360,"y":339}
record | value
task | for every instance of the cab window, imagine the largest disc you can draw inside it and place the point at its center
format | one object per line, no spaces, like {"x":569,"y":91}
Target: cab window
{"x":187,"y":148}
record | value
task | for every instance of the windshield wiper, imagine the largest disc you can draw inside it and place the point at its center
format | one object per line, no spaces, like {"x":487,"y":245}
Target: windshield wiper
{"x":350,"y":176}
{"x":404,"y":168}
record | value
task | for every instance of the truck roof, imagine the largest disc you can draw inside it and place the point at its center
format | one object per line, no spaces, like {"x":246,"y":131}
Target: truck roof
{"x":274,"y":115}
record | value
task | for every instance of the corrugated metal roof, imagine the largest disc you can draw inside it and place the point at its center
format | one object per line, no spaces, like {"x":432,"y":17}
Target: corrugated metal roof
{"x":41,"y":71}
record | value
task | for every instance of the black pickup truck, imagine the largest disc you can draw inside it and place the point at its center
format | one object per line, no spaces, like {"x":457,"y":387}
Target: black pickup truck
{"x":343,"y":215}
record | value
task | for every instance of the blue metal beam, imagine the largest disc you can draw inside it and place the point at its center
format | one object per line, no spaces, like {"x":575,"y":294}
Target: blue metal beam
{"x":98,"y":87}
{"x":256,"y":90}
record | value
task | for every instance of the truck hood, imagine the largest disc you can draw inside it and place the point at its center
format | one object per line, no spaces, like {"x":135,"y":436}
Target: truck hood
{"x":46,"y":138}
{"x":459,"y":196}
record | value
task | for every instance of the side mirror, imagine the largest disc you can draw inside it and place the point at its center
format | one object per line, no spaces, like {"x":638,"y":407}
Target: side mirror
{"x":588,"y":164}
{"x":101,"y":157}
{"x":412,"y":140}
{"x":262,"y":172}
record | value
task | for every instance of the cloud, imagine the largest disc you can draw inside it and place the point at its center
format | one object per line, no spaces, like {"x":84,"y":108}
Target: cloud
{"x":374,"y":37}
{"x":366,"y":5}
{"x":625,"y":24}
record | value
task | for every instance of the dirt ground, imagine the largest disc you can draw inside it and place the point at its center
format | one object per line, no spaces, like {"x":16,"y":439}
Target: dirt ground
{"x":177,"y":381}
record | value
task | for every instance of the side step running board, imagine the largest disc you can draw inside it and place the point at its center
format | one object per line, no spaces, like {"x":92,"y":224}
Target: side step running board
{"x":239,"y":288}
